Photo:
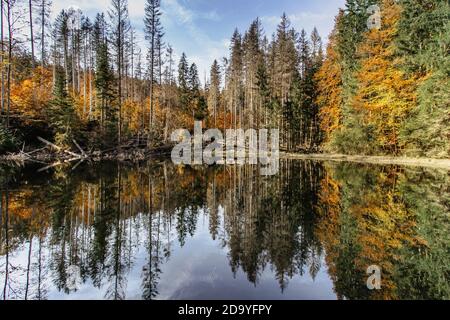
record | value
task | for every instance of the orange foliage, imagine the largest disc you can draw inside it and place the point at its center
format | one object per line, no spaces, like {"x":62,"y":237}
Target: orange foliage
{"x":385,"y":93}
{"x":31,"y":96}
{"x":329,"y":85}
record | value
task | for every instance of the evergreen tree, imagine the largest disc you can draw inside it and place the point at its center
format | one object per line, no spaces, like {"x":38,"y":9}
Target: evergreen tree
{"x":235,"y":89}
{"x":120,"y":27}
{"x":153,"y":33}
{"x":354,"y":136}
{"x":252,"y":58}
{"x":286,"y":82}
{"x":62,"y":115}
{"x":423,"y":42}
{"x":183,"y":78}
{"x":214,"y":91}
{"x":104,"y":78}
{"x":194,"y":80}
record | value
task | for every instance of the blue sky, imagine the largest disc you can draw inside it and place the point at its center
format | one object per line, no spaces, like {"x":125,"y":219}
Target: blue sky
{"x":202,"y":28}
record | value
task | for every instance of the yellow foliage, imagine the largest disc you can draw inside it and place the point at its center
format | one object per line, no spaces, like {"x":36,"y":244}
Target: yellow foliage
{"x":386,"y":94}
{"x":30,"y":97}
{"x":329,"y":86}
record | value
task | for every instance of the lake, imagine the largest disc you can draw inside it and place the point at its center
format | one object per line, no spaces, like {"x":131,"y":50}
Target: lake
{"x":159,"y":231}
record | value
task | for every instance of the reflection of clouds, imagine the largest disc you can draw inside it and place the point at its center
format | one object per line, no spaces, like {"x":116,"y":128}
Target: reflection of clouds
{"x":73,"y":277}
{"x":201,"y":269}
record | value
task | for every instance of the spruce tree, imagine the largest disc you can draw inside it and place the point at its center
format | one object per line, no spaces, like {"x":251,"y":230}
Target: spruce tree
{"x":153,"y":33}
{"x":423,"y":42}
{"x":120,"y":27}
{"x":183,"y":78}
{"x":61,"y":112}
{"x":104,"y":80}
{"x":214,"y":91}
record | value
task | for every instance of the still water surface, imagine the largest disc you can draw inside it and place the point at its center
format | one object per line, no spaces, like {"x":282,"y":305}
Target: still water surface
{"x":156,"y":231}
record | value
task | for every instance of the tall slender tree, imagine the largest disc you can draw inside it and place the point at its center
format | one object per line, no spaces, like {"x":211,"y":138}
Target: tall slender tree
{"x":119,"y":29}
{"x":30,"y":12}
{"x":153,"y":33}
{"x":214,"y":91}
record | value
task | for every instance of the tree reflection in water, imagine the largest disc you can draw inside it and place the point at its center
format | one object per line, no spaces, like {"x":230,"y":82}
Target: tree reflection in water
{"x":109,"y":231}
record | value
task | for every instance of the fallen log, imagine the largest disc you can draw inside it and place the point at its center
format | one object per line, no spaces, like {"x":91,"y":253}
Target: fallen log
{"x":54,"y":146}
{"x":81,"y":149}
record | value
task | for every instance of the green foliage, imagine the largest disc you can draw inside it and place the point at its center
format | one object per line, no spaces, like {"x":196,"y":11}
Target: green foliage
{"x":354,"y":138}
{"x":183,"y":79}
{"x":8,"y":141}
{"x":427,"y":131}
{"x":62,"y":115}
{"x":424,"y":34}
{"x":423,"y":272}
{"x":201,"y":108}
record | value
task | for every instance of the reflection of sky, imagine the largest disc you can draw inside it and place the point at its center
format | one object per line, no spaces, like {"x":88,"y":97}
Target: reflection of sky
{"x":206,"y":274}
{"x":199,"y":270}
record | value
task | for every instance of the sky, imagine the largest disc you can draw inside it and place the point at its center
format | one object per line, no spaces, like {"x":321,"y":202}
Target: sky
{"x":203,"y":28}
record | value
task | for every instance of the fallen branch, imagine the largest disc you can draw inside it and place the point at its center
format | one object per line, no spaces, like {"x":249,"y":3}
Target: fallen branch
{"x":54,"y":146}
{"x":79,"y":148}
{"x":35,"y":151}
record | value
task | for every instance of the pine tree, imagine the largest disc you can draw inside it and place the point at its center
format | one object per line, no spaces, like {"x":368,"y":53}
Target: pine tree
{"x":120,"y":27}
{"x":286,"y":82}
{"x":262,"y":82}
{"x":235,"y":85}
{"x":214,"y":91}
{"x":194,"y":80}
{"x":423,"y":41}
{"x":61,"y":112}
{"x":353,"y":137}
{"x":153,"y":33}
{"x":196,"y":101}
{"x":421,"y":37}
{"x":252,"y":58}
{"x":183,"y":78}
{"x":104,"y":77}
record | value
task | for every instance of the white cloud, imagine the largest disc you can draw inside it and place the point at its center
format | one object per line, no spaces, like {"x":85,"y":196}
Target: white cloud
{"x":304,"y":20}
{"x":180,"y":15}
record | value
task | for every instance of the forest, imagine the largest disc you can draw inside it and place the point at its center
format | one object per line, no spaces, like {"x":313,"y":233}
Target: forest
{"x":85,"y":83}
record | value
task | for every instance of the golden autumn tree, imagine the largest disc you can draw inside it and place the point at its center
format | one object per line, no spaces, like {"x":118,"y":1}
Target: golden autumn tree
{"x":31,"y":96}
{"x":329,"y":85}
{"x":385,"y":95}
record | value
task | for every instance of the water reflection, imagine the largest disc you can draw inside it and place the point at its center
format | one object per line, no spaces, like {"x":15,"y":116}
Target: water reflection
{"x":163,"y":232}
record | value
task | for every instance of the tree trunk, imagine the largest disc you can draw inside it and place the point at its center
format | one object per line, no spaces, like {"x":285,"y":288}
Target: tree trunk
{"x":30,"y":9}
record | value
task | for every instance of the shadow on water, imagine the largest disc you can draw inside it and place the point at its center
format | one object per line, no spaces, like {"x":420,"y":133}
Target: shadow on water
{"x":157,"y":231}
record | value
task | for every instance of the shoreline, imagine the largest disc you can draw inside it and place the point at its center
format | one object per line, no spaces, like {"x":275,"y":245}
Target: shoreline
{"x":45,"y":155}
{"x":378,"y":160}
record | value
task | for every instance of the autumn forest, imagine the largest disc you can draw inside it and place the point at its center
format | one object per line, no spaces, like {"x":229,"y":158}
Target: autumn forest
{"x":373,"y":91}
{"x":92,"y":208}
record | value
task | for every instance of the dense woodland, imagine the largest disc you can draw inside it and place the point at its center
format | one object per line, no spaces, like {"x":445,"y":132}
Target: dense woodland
{"x":370,"y":91}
